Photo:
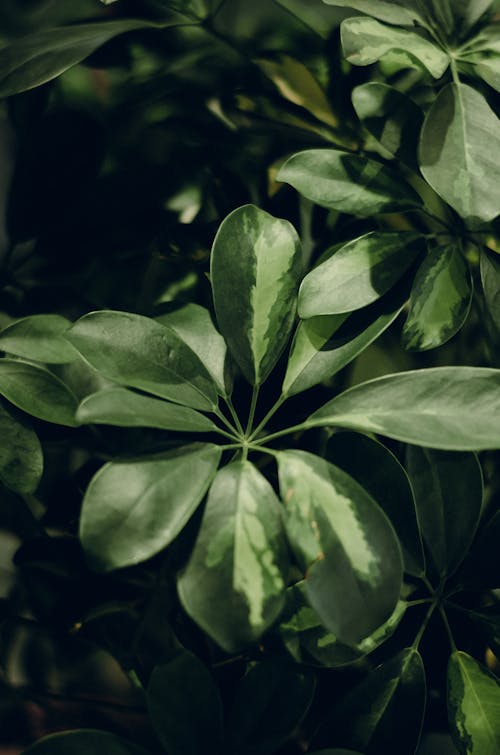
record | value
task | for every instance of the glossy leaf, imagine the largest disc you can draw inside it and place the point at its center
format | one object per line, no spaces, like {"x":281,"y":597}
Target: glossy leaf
{"x":233,"y":585}
{"x":136,"y":351}
{"x":255,"y":270}
{"x":184,"y":706}
{"x":384,"y":713}
{"x":448,"y":489}
{"x":314,"y":14}
{"x":21,"y":456}
{"x":193,"y":324}
{"x":270,"y":702}
{"x":452,"y":408}
{"x":440,"y":299}
{"x":392,"y":117}
{"x":84,"y":742}
{"x":40,"y":338}
{"x":473,"y":706}
{"x":133,"y":509}
{"x":124,"y":408}
{"x":481,"y":565}
{"x":490,"y":279}
{"x":458,"y":144}
{"x":401,"y":13}
{"x":383,"y":477}
{"x":347,"y":182}
{"x":38,"y":392}
{"x":324,"y":345}
{"x":358,"y":274}
{"x":44,"y":55}
{"x":488,"y":69}
{"x":365,"y":41}
{"x":308,"y":641}
{"x":343,"y":542}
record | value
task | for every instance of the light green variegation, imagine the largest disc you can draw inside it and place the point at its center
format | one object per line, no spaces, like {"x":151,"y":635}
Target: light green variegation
{"x":40,"y":338}
{"x":233,"y":585}
{"x":365,"y":41}
{"x":452,"y":408}
{"x":125,"y":408}
{"x":473,"y":706}
{"x":133,"y":509}
{"x":458,"y":146}
{"x":403,"y":13}
{"x":255,"y":270}
{"x":440,"y":299}
{"x":344,"y":544}
{"x":358,"y":274}
{"x":347,"y":182}
{"x":21,"y":456}
{"x":138,"y":352}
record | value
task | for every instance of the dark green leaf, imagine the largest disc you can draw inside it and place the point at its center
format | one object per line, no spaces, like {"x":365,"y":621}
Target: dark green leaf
{"x":324,"y":345}
{"x":490,"y":278}
{"x":185,"y":707}
{"x":384,"y":713}
{"x":489,"y":69}
{"x":37,"y":391}
{"x":343,"y":542}
{"x":359,"y":273}
{"x":308,"y":641}
{"x":365,"y":41}
{"x":21,"y":456}
{"x":459,"y":141}
{"x":193,"y":324}
{"x":448,"y":489}
{"x":440,"y":299}
{"x":234,"y":583}
{"x":402,"y":13}
{"x":481,"y":566}
{"x":381,"y":474}
{"x":469,"y":12}
{"x":40,"y":57}
{"x":138,"y":352}
{"x":391,"y":117}
{"x":84,"y":742}
{"x":452,"y":408}
{"x":133,"y":509}
{"x":124,"y":408}
{"x":272,"y":699}
{"x":473,"y":706}
{"x":39,"y":338}
{"x":347,"y":182}
{"x":255,"y":269}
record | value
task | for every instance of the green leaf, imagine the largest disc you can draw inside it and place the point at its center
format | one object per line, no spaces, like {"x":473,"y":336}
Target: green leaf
{"x":343,"y":542}
{"x":39,"y":338}
{"x":452,"y":408}
{"x":458,"y":144}
{"x":386,"y":708}
{"x":448,"y":489}
{"x":21,"y":456}
{"x":383,"y":477}
{"x":359,"y":273}
{"x":270,"y":702}
{"x":44,"y":55}
{"x":193,"y":324}
{"x":38,"y":392}
{"x":84,"y":742}
{"x":473,"y":706}
{"x":401,"y":13}
{"x":392,"y":117}
{"x":324,"y":345}
{"x":133,"y":509}
{"x":488,"y":69}
{"x":481,"y":565}
{"x":365,"y":41}
{"x":440,"y":299}
{"x":124,"y":408}
{"x":347,"y":182}
{"x":470,"y":12}
{"x":233,"y":585}
{"x":136,"y":351}
{"x":255,"y":270}
{"x":314,"y":15}
{"x":490,"y":279}
{"x":487,"y":621}
{"x":308,"y":641}
{"x":184,"y":706}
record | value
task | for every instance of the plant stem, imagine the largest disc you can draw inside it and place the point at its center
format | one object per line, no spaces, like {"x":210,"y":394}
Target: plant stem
{"x":454,"y":70}
{"x":448,"y":629}
{"x":435,"y":217}
{"x":234,"y":415}
{"x":251,"y":413}
{"x":280,"y":433}
{"x":225,"y":420}
{"x":419,"y":602}
{"x":231,"y":436}
{"x":272,"y":411}
{"x":420,"y":633}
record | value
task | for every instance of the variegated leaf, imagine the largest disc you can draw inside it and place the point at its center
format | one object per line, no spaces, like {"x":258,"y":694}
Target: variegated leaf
{"x":233,"y":585}
{"x":402,"y":13}
{"x":255,"y":270}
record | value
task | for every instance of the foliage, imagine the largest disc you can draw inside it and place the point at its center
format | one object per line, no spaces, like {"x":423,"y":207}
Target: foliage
{"x":270,"y":533}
